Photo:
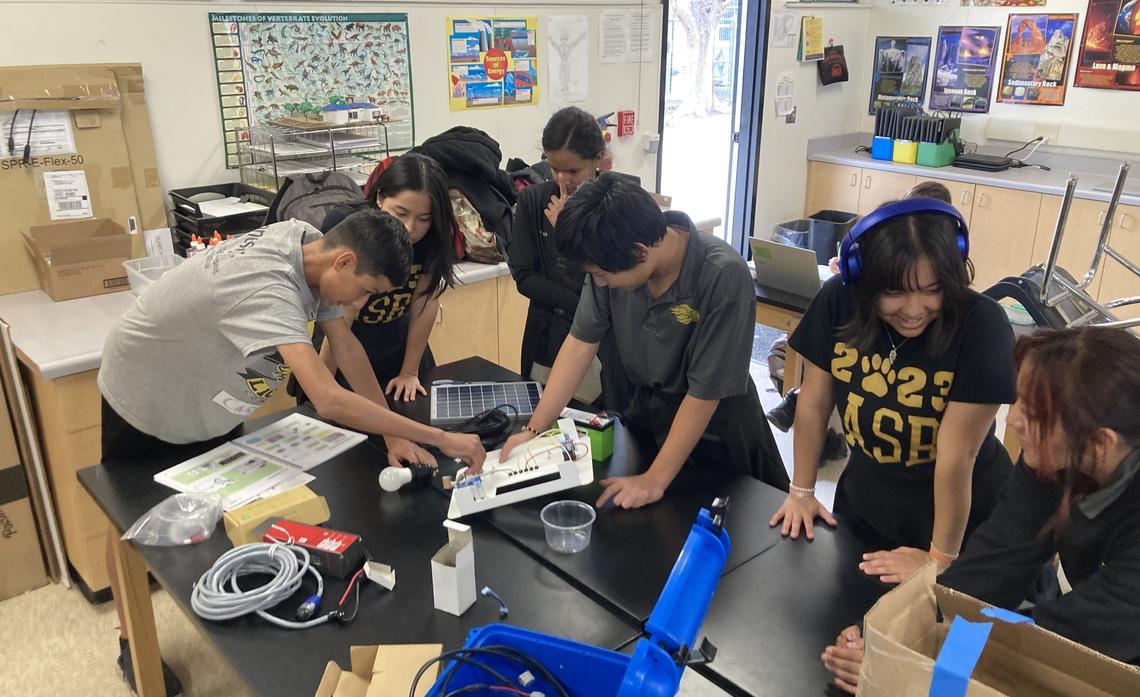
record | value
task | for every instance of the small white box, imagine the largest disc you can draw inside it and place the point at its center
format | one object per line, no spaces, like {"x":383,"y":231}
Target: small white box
{"x":453,"y":570}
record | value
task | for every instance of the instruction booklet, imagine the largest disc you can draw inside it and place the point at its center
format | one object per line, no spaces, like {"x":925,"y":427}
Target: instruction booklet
{"x":268,"y":461}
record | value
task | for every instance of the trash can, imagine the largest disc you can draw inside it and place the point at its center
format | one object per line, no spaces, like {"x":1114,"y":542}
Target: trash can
{"x":819,"y":232}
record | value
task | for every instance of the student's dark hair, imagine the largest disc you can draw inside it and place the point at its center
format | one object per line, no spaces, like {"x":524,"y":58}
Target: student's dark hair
{"x":929,"y":189}
{"x":1078,"y":381}
{"x":381,"y":244}
{"x":890,"y":254}
{"x":574,"y":130}
{"x":414,"y":172}
{"x":603,"y":221}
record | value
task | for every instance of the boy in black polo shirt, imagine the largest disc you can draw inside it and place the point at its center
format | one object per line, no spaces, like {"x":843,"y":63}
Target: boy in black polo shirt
{"x":682,"y":308}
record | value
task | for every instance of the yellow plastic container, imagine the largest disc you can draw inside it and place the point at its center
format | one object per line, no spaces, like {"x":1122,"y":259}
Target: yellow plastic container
{"x":905,"y":152}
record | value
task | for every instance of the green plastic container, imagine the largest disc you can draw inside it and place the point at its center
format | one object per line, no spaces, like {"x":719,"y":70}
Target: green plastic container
{"x":936,"y":154}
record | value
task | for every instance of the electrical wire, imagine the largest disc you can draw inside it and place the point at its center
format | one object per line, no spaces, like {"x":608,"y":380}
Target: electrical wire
{"x":28,"y":142}
{"x":491,"y":425}
{"x":286,"y":563}
{"x":499,"y":651}
{"x":1039,"y":140}
{"x":12,"y":133}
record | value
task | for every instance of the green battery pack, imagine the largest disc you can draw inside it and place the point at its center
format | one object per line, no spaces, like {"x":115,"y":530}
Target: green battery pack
{"x":599,"y":428}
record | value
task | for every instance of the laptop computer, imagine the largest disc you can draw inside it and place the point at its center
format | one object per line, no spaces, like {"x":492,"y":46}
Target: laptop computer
{"x":784,"y":267}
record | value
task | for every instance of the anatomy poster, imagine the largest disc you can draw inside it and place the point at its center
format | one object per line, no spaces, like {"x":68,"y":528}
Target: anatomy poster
{"x":568,"y":58}
{"x":1035,"y":63}
{"x":899,"y":72}
{"x":277,"y":65}
{"x":964,"y":60}
{"x":493,"y":62}
{"x":1110,"y":47}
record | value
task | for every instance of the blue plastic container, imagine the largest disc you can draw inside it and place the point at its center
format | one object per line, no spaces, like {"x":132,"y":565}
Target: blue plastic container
{"x":658,"y":660}
{"x":882,"y":148}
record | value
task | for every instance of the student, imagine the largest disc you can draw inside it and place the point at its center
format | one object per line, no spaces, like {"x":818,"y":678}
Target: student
{"x":917,"y":365}
{"x":394,"y":326}
{"x":682,"y":308}
{"x":573,"y":147}
{"x":214,"y":337}
{"x":1075,"y":491}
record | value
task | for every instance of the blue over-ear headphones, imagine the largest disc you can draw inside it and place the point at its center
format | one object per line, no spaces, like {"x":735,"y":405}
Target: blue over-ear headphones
{"x":850,"y":258}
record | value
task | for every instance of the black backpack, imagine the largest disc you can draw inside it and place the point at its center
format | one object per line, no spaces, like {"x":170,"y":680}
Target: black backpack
{"x":310,"y":197}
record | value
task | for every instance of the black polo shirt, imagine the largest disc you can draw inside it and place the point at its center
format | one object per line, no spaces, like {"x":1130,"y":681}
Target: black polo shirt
{"x":696,"y":338}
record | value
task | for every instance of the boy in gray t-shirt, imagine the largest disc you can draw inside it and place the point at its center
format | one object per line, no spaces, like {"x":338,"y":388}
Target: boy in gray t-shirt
{"x":215,"y":336}
{"x":682,"y":309}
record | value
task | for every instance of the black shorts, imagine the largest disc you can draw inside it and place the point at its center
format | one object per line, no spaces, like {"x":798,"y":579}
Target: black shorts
{"x":123,"y":444}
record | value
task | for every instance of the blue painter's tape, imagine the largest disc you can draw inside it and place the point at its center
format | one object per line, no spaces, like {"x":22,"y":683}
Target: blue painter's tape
{"x":960,"y":652}
{"x":1007,"y":616}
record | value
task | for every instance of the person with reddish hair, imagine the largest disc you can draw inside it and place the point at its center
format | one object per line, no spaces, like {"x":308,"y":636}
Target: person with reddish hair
{"x":1075,"y":493}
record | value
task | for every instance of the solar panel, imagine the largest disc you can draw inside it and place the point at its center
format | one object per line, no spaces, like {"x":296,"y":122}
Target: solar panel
{"x":453,"y":403}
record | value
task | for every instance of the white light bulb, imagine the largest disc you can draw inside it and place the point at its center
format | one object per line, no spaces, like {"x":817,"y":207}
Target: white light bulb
{"x":392,"y":478}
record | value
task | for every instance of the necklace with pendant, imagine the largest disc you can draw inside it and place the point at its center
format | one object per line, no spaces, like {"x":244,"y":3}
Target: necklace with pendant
{"x":894,"y":349}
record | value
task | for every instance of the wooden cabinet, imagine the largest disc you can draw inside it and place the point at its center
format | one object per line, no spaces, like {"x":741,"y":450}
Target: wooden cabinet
{"x":1002,"y":232}
{"x":878,"y":187}
{"x":512,"y":319}
{"x":68,"y":413}
{"x":1082,"y":231}
{"x":832,"y":187}
{"x":961,"y":196}
{"x":1119,"y":282}
{"x":467,"y":324}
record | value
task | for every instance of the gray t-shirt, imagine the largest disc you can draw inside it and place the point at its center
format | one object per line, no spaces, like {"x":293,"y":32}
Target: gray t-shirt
{"x":696,"y":338}
{"x":196,"y":354}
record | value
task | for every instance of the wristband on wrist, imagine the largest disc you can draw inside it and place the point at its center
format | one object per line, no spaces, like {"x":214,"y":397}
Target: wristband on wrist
{"x":943,"y":559}
{"x":528,"y":428}
{"x":802,"y":492}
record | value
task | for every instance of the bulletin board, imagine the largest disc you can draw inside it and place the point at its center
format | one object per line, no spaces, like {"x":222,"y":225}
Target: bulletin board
{"x":269,"y":64}
{"x":492,"y":62}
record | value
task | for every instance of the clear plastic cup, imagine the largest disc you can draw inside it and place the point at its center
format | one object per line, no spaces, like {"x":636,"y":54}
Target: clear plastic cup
{"x":567,"y":525}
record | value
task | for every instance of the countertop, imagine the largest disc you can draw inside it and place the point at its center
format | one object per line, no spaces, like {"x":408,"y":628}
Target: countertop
{"x":64,"y":338}
{"x":1096,"y":171}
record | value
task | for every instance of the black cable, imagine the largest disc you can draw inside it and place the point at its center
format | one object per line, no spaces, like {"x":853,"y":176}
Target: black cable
{"x":458,"y":656}
{"x":506,"y":652}
{"x":11,"y":134}
{"x":491,"y":425}
{"x":1027,"y":144}
{"x":28,"y":144}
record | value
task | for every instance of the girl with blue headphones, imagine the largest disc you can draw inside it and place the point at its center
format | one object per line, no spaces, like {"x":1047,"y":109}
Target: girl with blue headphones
{"x":917,"y":365}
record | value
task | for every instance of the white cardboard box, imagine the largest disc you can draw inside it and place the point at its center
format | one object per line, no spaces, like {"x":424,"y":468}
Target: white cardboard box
{"x":453,"y":570}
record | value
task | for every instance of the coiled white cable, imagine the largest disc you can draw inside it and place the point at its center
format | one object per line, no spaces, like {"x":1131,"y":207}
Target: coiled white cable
{"x":286,"y":563}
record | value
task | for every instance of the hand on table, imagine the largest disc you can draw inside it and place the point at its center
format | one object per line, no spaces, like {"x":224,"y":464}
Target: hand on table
{"x":895,"y":565}
{"x":844,"y":658}
{"x":402,"y":452}
{"x":631,"y":492}
{"x":404,"y":388}
{"x":797,"y":511}
{"x":515,"y":441}
{"x":466,"y":447}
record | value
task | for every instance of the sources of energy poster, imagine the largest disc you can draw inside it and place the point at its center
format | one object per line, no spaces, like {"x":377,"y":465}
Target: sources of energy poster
{"x":1110,"y":47}
{"x":493,"y":62}
{"x":899,"y":71}
{"x":964,"y":60}
{"x":1035,"y":63}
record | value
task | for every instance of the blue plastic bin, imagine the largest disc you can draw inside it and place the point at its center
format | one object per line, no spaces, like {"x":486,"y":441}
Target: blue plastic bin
{"x":659,"y":658}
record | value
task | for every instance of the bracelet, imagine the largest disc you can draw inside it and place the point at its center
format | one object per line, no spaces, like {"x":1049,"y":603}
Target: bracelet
{"x":800,"y":491}
{"x":943,"y":559}
{"x":527,"y":427}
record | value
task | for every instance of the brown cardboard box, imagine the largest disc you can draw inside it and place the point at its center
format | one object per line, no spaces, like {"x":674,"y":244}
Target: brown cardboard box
{"x":903,"y":636}
{"x":97,"y":112}
{"x":21,"y":557}
{"x":80,"y":258}
{"x":381,"y":671}
{"x":299,"y":504}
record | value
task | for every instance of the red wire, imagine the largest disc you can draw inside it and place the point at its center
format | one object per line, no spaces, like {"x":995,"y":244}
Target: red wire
{"x":505,"y":688}
{"x":350,"y":584}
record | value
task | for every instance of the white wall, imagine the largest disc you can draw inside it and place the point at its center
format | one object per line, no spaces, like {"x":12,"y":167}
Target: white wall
{"x":171,"y":39}
{"x":820,"y":111}
{"x":1090,"y":118}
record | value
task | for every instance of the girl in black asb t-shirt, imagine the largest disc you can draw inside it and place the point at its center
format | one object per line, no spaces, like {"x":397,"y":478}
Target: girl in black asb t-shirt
{"x":917,"y":364}
{"x":573,"y":146}
{"x":394,"y":327}
{"x":1075,"y":492}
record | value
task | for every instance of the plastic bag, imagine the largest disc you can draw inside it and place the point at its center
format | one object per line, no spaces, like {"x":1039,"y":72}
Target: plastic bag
{"x":180,"y":519}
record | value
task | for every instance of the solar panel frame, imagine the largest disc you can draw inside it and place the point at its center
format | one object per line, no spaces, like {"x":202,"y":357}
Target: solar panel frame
{"x":456,"y":402}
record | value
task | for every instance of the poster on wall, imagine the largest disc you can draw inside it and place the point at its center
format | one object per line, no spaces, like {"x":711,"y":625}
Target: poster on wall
{"x":569,"y":58}
{"x":964,"y":68}
{"x":1110,"y":46}
{"x":1035,"y":62}
{"x":493,"y":62}
{"x":1003,"y":3}
{"x":271,"y":66}
{"x":899,"y":72}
